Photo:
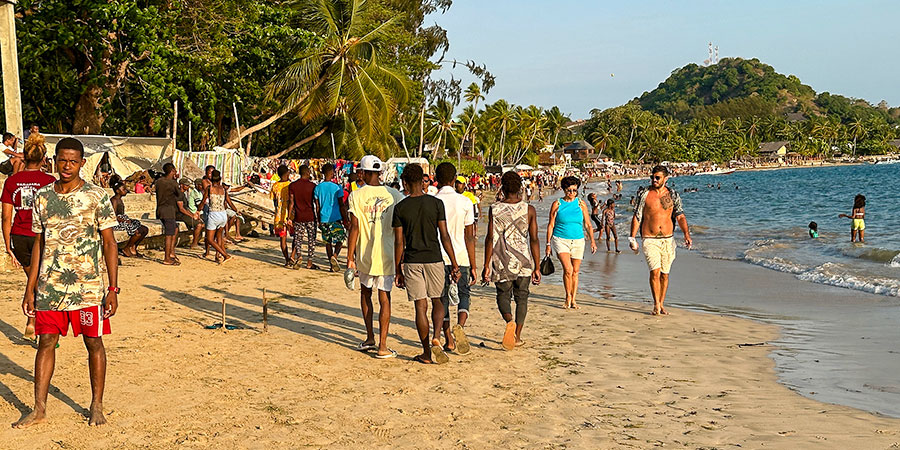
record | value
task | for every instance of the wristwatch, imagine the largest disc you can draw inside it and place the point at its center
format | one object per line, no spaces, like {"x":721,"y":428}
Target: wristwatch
{"x":115,"y":289}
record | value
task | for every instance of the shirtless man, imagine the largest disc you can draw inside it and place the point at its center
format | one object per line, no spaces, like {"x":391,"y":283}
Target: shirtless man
{"x":657,"y":210}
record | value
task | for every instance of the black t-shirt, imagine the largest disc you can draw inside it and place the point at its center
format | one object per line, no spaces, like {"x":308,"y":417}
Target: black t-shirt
{"x":419,"y":217}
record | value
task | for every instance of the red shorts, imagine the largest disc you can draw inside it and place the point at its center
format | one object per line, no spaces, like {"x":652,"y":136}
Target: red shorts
{"x":88,"y":321}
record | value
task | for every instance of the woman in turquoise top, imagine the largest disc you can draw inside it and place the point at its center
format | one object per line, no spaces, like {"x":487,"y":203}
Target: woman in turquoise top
{"x":569,"y":218}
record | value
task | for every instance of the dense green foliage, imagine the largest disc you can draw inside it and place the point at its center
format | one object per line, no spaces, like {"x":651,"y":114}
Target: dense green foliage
{"x":725,"y":111}
{"x":117,"y":66}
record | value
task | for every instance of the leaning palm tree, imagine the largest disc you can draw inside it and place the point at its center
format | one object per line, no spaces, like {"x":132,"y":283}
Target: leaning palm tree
{"x":340,"y":78}
{"x":501,"y":115}
{"x":857,"y":130}
{"x":555,"y":122}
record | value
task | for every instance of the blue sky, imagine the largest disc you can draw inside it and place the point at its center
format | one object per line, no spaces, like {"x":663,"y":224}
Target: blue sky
{"x":563,"y":52}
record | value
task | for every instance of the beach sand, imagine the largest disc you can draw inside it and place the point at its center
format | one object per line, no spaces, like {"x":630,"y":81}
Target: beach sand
{"x":605,"y":376}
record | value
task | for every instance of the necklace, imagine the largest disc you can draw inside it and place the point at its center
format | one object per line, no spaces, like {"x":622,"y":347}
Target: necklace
{"x":56,"y":188}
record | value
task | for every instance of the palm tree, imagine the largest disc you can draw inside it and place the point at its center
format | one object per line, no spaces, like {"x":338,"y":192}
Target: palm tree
{"x":473,"y":96}
{"x":441,"y":126}
{"x":499,"y":116}
{"x":555,"y":122}
{"x":857,"y":131}
{"x":339,"y":79}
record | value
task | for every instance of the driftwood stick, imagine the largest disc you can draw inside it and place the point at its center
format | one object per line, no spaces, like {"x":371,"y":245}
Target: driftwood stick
{"x":223,"y":315}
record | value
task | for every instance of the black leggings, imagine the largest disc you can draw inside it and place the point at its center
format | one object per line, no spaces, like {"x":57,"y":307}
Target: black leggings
{"x":518,"y":290}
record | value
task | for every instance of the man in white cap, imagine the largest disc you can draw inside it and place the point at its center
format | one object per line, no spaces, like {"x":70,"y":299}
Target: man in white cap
{"x":370,"y":249}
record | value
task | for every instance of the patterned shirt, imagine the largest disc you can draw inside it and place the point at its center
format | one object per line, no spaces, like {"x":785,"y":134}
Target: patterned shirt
{"x":512,"y":243}
{"x":72,"y":268}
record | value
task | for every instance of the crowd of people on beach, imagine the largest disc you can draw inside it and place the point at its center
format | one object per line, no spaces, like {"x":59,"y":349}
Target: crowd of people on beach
{"x":419,"y":236}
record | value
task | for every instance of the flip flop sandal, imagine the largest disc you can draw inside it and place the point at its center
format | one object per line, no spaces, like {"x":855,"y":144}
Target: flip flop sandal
{"x":335,"y":267}
{"x":509,"y":336}
{"x":363,"y":347}
{"x":438,"y":355}
{"x":418,"y":358}
{"x":462,"y":342}
{"x":392,"y":354}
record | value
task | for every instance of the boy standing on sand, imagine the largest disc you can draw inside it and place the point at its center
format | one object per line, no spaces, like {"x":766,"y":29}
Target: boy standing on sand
{"x":512,"y":255}
{"x":661,"y":207}
{"x":73,"y":221}
{"x":420,"y":267}
{"x":370,"y":250}
{"x":460,"y":212}
{"x":331,"y":212}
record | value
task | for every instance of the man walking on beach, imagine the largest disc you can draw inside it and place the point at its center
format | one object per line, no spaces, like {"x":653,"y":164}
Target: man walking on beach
{"x":168,"y":198}
{"x":657,"y":210}
{"x":370,"y":249}
{"x":512,"y":255}
{"x":331,"y":212}
{"x":460,"y":213}
{"x":73,"y":221}
{"x":417,"y":221}
{"x":303,"y":216}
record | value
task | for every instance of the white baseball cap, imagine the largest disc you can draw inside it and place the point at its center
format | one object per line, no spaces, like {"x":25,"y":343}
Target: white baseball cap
{"x":371,"y":163}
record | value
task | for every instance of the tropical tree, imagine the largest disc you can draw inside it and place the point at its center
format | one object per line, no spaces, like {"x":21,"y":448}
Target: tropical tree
{"x":555,"y":122}
{"x":857,"y":131}
{"x":340,"y":79}
{"x":442,"y":129}
{"x":473,"y":96}
{"x":500,"y":115}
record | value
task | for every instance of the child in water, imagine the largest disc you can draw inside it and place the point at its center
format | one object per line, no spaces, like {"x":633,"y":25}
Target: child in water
{"x":813,"y":230}
{"x":857,"y":218}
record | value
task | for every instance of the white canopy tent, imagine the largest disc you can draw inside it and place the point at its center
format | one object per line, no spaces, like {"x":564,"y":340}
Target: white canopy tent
{"x":126,"y":155}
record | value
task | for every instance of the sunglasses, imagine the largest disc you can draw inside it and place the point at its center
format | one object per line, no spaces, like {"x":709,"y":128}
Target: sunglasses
{"x":656,"y":178}
{"x":572,"y":190}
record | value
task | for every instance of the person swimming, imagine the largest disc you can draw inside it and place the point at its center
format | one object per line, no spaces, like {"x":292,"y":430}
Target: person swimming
{"x":813,"y":230}
{"x":857,"y":218}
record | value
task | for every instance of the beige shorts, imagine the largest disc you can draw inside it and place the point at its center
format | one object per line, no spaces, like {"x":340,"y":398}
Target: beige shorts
{"x":424,"y":280}
{"x":574,"y":247}
{"x":381,"y":282}
{"x":660,"y":252}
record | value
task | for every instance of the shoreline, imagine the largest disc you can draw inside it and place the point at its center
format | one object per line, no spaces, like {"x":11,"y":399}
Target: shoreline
{"x":607,"y":375}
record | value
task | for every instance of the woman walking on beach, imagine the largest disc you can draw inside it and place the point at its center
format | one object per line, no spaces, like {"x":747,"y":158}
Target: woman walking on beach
{"x":217,"y":196}
{"x":512,"y":255}
{"x":857,"y":218}
{"x":18,"y":199}
{"x":565,"y":233}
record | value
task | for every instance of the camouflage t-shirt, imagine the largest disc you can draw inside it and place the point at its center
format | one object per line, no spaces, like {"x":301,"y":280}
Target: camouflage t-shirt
{"x":72,"y":268}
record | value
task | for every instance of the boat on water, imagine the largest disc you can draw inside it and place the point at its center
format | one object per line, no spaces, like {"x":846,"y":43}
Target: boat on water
{"x":717,"y":172}
{"x":887,"y":161}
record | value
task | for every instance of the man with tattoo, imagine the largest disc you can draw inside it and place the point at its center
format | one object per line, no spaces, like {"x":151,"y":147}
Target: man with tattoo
{"x":657,"y":210}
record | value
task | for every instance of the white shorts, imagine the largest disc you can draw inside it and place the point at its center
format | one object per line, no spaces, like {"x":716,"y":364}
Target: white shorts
{"x":660,"y":252}
{"x":381,"y":282}
{"x":216,"y":220}
{"x":574,"y":247}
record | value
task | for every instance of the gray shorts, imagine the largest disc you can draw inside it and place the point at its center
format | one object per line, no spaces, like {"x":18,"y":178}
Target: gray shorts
{"x":424,"y":280}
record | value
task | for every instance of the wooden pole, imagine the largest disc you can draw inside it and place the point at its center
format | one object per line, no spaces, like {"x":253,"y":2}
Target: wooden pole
{"x":190,"y":137}
{"x":265,"y":312}
{"x":175,"y":127}
{"x":12,"y":96}
{"x":223,"y":315}
{"x":237,"y":123}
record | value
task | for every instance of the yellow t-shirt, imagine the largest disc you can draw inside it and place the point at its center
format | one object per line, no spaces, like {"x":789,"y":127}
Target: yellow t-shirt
{"x":280,"y":192}
{"x":469,"y":195}
{"x":373,"y":207}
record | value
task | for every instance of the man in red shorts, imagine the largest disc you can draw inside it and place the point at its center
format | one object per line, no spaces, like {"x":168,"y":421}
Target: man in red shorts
{"x":73,"y":221}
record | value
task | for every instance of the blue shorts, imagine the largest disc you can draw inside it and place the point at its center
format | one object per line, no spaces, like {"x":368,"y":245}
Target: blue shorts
{"x":216,"y":220}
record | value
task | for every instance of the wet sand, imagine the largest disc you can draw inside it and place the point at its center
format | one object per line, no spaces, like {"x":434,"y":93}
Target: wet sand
{"x":605,"y":376}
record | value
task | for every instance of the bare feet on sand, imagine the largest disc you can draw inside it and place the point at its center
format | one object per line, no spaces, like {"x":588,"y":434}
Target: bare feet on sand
{"x":96,"y":416}
{"x":33,"y":418}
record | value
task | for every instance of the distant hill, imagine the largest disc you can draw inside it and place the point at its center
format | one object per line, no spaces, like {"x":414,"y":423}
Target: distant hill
{"x":737,"y":87}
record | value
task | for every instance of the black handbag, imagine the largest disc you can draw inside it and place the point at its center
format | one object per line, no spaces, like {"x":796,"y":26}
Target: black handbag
{"x":547,"y":266}
{"x":6,"y":167}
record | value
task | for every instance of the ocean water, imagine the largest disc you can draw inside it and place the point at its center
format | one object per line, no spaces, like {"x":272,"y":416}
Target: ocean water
{"x":762,"y":217}
{"x":836,"y":303}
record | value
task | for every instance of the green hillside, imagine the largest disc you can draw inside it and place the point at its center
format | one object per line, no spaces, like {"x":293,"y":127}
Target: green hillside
{"x":745,"y":88}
